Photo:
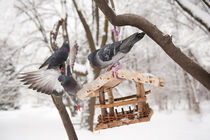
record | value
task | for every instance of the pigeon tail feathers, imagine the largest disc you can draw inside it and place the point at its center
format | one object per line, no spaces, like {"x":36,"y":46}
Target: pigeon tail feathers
{"x":129,"y":42}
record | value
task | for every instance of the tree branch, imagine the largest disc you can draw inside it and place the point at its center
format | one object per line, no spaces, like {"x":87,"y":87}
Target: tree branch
{"x":164,"y":41}
{"x":57,"y":100}
{"x":86,"y":27}
{"x":105,"y":36}
{"x":206,"y":3}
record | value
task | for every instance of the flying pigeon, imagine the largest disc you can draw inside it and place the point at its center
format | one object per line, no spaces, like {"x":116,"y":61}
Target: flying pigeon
{"x":45,"y":79}
{"x":71,"y":86}
{"x":58,"y":57}
{"x":110,"y":54}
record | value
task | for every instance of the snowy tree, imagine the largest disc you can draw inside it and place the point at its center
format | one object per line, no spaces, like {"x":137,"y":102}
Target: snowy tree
{"x":8,"y":81}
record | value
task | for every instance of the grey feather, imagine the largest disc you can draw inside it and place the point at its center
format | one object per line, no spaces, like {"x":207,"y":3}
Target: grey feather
{"x":112,"y":53}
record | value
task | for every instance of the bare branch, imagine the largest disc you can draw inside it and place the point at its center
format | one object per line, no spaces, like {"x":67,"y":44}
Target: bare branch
{"x":105,"y":36}
{"x":86,"y":27}
{"x":73,"y":54}
{"x":198,"y":19}
{"x":97,"y":23}
{"x":33,"y":16}
{"x":206,"y":3}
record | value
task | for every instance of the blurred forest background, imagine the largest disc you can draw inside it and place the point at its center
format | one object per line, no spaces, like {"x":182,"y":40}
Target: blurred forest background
{"x":25,"y":27}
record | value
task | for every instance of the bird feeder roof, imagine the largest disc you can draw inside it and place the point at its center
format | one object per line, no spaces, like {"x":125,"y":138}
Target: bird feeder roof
{"x":107,"y":81}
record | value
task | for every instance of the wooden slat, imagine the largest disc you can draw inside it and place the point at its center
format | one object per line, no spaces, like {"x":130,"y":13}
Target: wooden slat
{"x":140,"y":93}
{"x":102,"y":101}
{"x":111,"y":101}
{"x":113,"y":83}
{"x":121,"y":103}
{"x":128,"y":97}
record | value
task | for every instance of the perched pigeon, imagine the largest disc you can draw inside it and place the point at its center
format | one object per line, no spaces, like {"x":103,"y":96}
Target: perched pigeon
{"x":112,"y":53}
{"x":58,"y":57}
{"x":45,"y":79}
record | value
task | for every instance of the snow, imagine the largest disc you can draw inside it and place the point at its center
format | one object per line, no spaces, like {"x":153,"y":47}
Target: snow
{"x":204,"y":16}
{"x":42,"y":123}
{"x":80,"y":68}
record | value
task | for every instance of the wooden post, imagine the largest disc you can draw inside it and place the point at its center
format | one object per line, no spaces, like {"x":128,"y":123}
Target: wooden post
{"x":140,"y":93}
{"x":111,"y":100}
{"x":102,"y":101}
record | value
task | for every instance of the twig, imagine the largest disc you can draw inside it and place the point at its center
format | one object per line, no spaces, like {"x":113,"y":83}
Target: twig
{"x":193,"y":16}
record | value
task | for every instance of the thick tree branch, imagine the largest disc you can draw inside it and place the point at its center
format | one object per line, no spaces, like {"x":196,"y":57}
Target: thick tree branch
{"x":164,"y":41}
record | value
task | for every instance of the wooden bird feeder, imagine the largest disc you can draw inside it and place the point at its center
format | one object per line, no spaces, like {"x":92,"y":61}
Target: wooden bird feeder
{"x":110,"y":116}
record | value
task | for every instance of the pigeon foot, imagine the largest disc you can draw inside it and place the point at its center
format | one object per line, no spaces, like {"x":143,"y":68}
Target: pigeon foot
{"x":115,"y":69}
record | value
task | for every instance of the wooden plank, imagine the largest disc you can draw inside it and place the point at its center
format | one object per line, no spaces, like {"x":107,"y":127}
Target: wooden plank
{"x":113,"y":83}
{"x":140,"y":93}
{"x":111,"y":100}
{"x":121,"y":103}
{"x":129,"y":97}
{"x":102,"y":101}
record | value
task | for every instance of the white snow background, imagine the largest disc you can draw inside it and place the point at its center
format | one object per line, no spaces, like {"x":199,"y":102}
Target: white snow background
{"x":45,"y":123}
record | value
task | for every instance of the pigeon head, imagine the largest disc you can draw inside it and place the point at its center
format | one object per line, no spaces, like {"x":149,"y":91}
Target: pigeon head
{"x":66,"y":44}
{"x":91,"y":58}
{"x":67,"y":81}
{"x":128,"y":43}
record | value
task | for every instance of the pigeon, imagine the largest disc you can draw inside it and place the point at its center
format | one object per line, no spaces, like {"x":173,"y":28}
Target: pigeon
{"x":110,"y":54}
{"x":58,"y":57}
{"x":45,"y":79}
{"x":71,"y":86}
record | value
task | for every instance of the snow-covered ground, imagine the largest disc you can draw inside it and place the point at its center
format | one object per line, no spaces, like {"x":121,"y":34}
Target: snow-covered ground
{"x":44,"y":123}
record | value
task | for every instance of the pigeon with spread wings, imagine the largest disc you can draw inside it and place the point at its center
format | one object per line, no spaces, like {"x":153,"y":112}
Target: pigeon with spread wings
{"x":45,"y":79}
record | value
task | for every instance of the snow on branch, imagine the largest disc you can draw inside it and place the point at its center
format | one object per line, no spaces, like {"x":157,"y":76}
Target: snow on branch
{"x":194,"y":11}
{"x":79,"y":68}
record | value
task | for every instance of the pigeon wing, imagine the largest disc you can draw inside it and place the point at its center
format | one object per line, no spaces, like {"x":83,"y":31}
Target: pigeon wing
{"x":45,"y":81}
{"x":58,"y":58}
{"x":45,"y":63}
{"x":109,"y":50}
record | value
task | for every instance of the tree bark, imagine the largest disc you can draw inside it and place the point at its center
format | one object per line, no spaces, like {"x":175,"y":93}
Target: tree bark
{"x":164,"y":41}
{"x":57,"y":100}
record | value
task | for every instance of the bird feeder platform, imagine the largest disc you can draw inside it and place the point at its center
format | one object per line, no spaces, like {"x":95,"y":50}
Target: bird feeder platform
{"x":138,"y":110}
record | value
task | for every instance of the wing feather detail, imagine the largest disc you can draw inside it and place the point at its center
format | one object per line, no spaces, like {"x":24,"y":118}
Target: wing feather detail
{"x":44,"y":81}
